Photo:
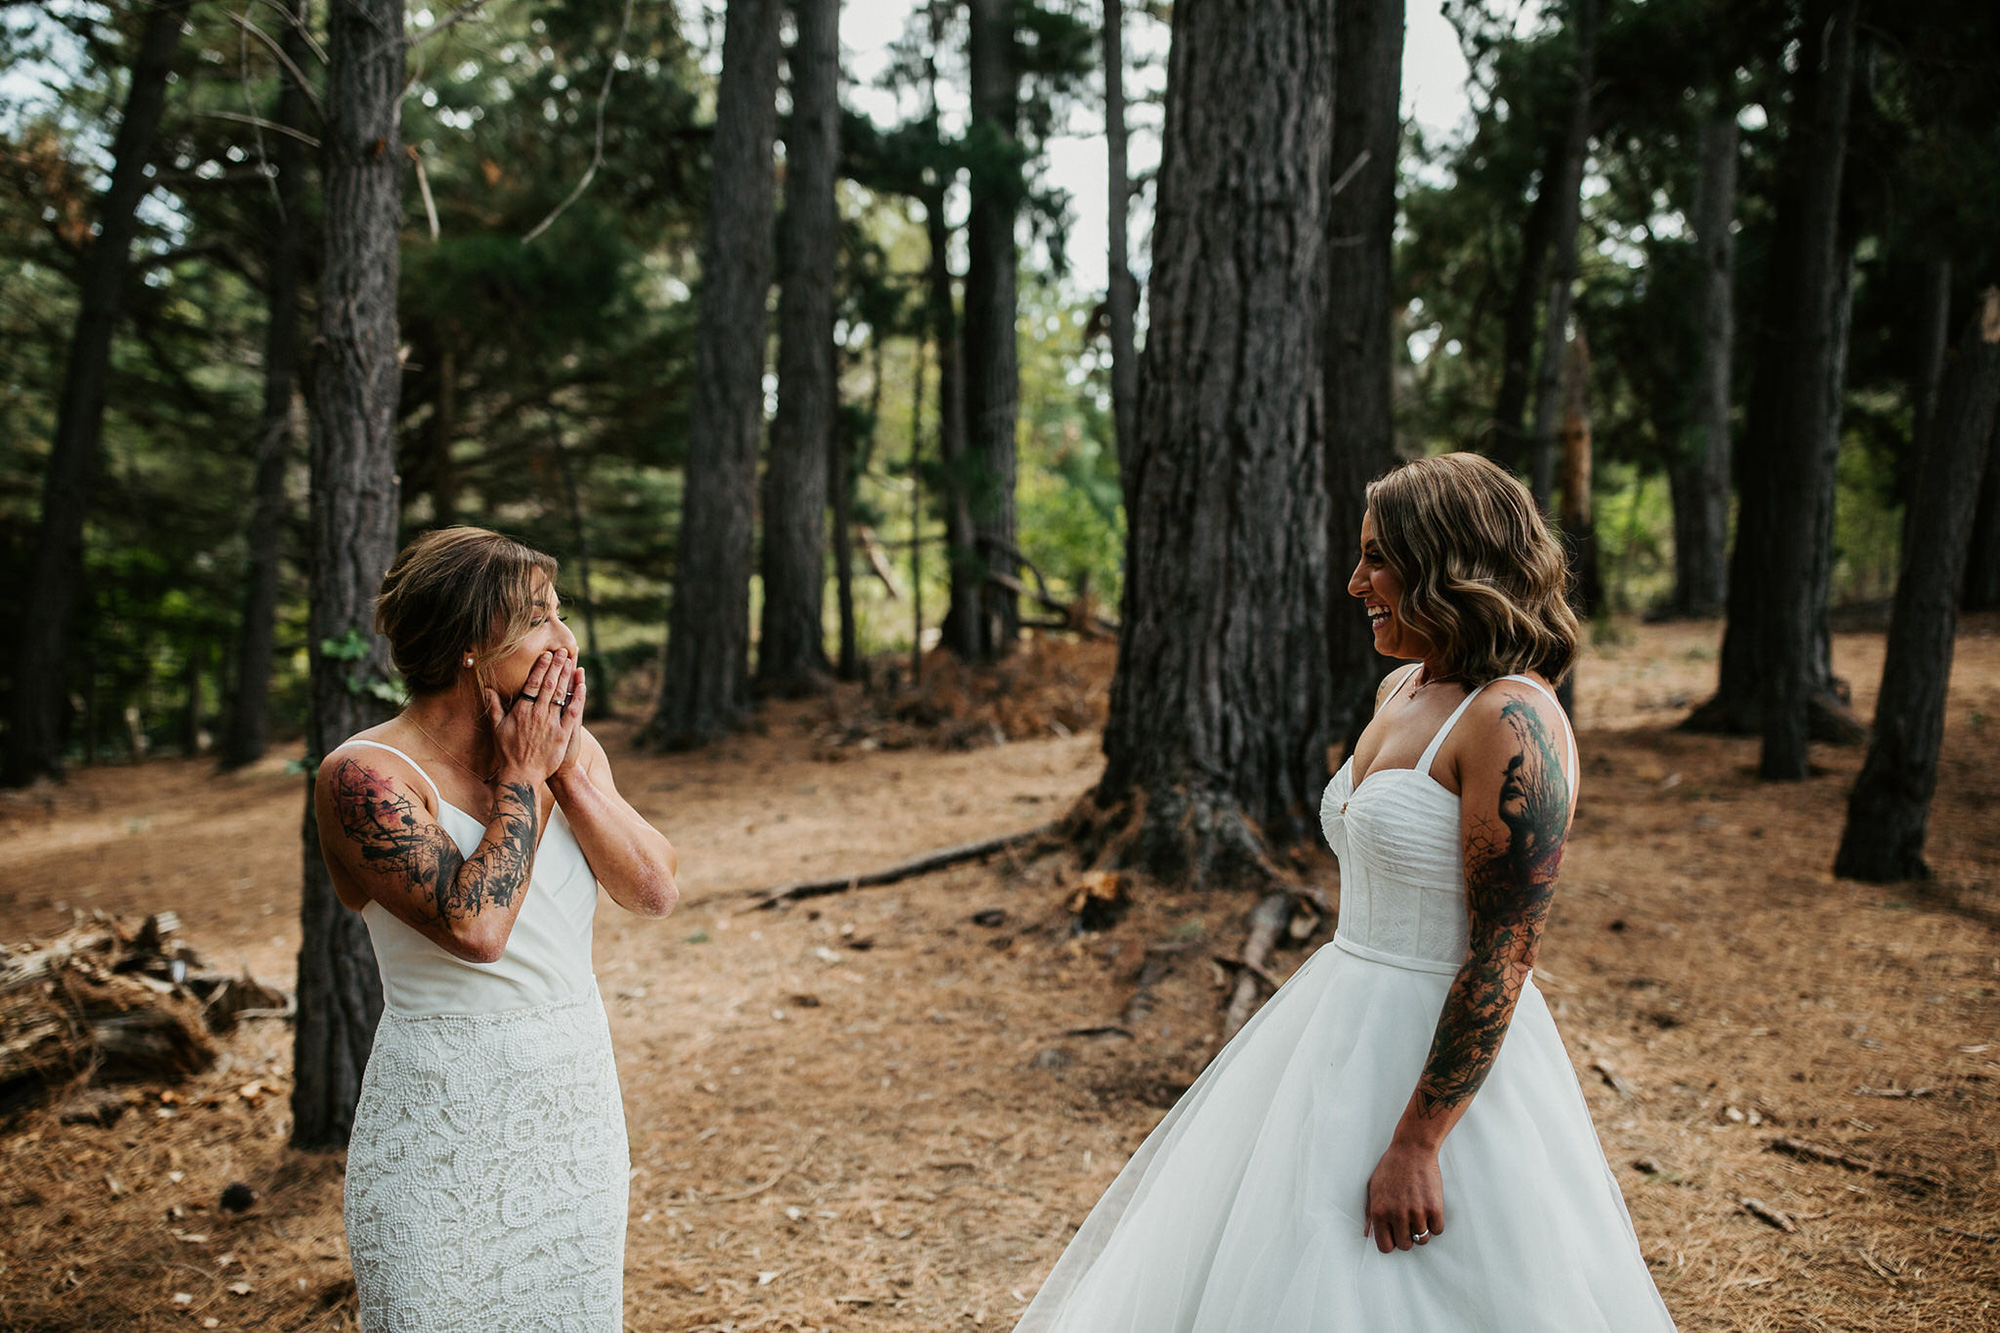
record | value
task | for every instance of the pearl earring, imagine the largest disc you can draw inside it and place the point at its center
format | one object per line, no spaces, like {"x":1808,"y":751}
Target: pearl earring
{"x":468,"y":661}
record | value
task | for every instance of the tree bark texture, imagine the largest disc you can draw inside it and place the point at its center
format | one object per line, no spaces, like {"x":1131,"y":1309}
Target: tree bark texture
{"x":1890,"y":806}
{"x":992,"y":356}
{"x":1702,"y":466}
{"x":1121,"y":297}
{"x":1982,"y":566}
{"x":705,"y":688}
{"x":1360,"y":431}
{"x":1507,"y":442}
{"x":840,"y":482}
{"x":961,"y":624}
{"x":247,"y":730}
{"x":1933,"y":338}
{"x":791,"y":644}
{"x":1568,"y":212}
{"x":1800,"y":434}
{"x":1579,"y":519}
{"x":1217,"y":735}
{"x":38,"y":696}
{"x":355,"y":508}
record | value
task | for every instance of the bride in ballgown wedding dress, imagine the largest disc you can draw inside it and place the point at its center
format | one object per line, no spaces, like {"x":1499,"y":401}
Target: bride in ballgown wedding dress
{"x":1397,"y":1141}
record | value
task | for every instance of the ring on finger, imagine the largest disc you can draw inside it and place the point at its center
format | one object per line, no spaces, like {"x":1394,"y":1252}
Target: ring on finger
{"x":1421,"y":1236}
{"x":530,"y":697}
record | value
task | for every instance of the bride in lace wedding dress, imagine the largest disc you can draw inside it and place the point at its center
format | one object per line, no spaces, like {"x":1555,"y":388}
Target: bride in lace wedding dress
{"x":1397,"y":1142}
{"x":487,"y":1167}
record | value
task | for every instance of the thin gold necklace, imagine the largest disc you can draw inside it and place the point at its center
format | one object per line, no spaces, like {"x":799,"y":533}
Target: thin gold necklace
{"x":449,"y":755}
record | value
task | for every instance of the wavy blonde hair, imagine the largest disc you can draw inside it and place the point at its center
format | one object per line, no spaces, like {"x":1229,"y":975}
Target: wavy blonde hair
{"x":1483,"y":577}
{"x":453,"y":590}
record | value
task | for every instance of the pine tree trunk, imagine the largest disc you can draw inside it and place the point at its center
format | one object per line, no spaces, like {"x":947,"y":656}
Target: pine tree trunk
{"x":1547,"y":447}
{"x":38,"y":698}
{"x":1982,"y":564}
{"x":791,"y":643}
{"x":1890,"y":805}
{"x":1579,"y":520}
{"x":1507,"y":441}
{"x":1934,"y":334}
{"x":353,"y":392}
{"x":992,"y":357}
{"x":961,"y":625}
{"x":1217,"y":735}
{"x":1801,"y":432}
{"x":247,"y":732}
{"x":1360,"y":430}
{"x":840,"y":483}
{"x":1121,"y":297}
{"x":1701,"y":487}
{"x":705,"y":688}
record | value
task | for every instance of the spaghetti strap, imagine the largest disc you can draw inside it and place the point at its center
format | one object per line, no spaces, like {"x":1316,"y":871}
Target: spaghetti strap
{"x":1437,"y":741}
{"x":412,"y":763}
{"x":1569,"y":728}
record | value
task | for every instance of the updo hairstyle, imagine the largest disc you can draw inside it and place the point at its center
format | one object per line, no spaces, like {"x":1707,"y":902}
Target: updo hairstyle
{"x":455,"y":590}
{"x":1483,"y":578}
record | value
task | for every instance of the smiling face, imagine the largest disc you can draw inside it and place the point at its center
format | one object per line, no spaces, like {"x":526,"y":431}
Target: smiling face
{"x":546,"y":633}
{"x":1380,"y":589}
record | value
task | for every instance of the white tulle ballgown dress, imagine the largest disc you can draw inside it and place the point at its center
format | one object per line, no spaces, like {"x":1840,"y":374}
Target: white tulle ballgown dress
{"x":1243,"y":1211}
{"x":487,"y":1171}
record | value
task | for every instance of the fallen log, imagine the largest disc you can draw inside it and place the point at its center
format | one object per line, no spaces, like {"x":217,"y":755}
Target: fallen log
{"x":921,"y":865}
{"x":106,"y":1002}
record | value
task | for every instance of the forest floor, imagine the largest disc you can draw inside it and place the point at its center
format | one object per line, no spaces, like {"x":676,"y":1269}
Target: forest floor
{"x":869,"y":1112}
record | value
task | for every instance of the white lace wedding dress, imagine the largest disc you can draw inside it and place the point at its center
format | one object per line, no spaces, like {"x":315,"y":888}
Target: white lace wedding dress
{"x":487,"y":1171}
{"x":1243,"y":1211}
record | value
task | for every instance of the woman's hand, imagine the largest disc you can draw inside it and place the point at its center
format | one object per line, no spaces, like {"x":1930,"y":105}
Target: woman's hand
{"x":573,"y":756}
{"x":534,"y":738}
{"x":1405,"y":1197}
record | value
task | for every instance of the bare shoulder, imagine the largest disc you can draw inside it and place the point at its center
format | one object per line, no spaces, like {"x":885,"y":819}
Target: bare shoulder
{"x":350,"y":769}
{"x":1393,"y":681}
{"x":1513,"y":723}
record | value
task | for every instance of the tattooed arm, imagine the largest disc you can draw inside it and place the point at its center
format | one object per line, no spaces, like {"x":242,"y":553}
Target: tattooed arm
{"x":376,"y":834}
{"x":632,"y":860}
{"x":1515,"y":810}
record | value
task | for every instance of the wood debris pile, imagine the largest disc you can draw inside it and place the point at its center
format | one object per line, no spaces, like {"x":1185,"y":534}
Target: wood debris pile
{"x":110,"y":1002}
{"x":1046,"y":687}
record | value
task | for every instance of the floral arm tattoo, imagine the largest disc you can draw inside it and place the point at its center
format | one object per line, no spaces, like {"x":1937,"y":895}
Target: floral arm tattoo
{"x":382,"y":821}
{"x":1510,"y":877}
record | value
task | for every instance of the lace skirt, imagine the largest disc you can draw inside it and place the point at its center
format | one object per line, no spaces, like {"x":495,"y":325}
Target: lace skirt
{"x":487,"y":1173}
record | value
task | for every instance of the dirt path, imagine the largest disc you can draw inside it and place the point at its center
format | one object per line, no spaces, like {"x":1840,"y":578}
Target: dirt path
{"x":868,"y":1113}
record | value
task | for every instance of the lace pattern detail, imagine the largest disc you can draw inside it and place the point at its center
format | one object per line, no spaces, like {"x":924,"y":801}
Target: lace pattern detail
{"x":487,"y":1174}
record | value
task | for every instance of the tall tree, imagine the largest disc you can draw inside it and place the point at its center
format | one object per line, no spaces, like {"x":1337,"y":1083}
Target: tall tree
{"x":1889,"y":809}
{"x":1509,"y":437}
{"x":38,"y":702}
{"x":1568,"y":212}
{"x":705,"y":688}
{"x":1699,"y":471}
{"x":246,"y":733}
{"x":1360,"y":431}
{"x":353,"y":394}
{"x":1579,"y":521}
{"x":1218,"y":727}
{"x":1982,"y":563}
{"x":992,"y":355}
{"x":1121,"y":297}
{"x":1798,"y":433}
{"x":791,"y":646}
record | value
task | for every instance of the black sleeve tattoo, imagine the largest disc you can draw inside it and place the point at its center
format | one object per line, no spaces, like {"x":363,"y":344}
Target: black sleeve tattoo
{"x":1510,"y":878}
{"x":382,"y":822}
